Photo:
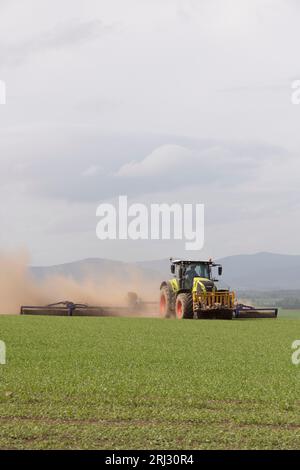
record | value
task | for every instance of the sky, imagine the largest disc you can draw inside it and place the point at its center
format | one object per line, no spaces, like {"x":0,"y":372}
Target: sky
{"x":165,"y":101}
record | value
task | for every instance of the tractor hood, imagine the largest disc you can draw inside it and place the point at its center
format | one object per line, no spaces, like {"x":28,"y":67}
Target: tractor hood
{"x":203,"y":284}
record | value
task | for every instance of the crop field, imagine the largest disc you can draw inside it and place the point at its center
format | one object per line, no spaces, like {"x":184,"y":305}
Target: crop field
{"x":290,"y":314}
{"x":130,"y":383}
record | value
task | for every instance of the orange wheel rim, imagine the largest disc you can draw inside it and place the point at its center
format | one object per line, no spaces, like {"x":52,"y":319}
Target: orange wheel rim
{"x":162,"y":305}
{"x":179,"y":309}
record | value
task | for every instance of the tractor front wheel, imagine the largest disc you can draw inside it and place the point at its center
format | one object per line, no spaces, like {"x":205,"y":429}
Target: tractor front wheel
{"x":184,"y":306}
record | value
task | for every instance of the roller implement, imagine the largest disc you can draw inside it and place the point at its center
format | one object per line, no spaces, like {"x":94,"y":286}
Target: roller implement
{"x":64,"y":309}
{"x":133,"y":305}
{"x":193,"y":293}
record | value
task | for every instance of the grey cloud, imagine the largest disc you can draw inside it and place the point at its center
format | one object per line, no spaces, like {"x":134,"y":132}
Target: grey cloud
{"x":90,"y":168}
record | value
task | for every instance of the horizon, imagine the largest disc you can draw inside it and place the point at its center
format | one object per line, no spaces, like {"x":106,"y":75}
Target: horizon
{"x":165,"y":259}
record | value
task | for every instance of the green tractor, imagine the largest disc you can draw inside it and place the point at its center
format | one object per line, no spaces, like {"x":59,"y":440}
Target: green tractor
{"x":193,"y":293}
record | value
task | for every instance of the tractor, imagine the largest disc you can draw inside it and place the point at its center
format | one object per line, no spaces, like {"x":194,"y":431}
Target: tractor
{"x":193,"y":293}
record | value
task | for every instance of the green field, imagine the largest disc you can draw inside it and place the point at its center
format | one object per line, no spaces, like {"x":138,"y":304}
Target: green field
{"x":118,"y":383}
{"x":289,"y":314}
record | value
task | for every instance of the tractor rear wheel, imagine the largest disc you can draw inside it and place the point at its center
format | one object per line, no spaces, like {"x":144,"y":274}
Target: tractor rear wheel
{"x":167,"y":301}
{"x":184,"y":306}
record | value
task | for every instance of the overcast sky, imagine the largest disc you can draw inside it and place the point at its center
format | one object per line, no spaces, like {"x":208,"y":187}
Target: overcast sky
{"x":163,"y":100}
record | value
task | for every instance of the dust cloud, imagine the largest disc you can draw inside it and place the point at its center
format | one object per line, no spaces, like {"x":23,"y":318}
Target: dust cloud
{"x":18,"y":287}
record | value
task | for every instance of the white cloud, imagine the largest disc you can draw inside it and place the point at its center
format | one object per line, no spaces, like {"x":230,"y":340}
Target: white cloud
{"x":163,"y":160}
{"x":93,"y":170}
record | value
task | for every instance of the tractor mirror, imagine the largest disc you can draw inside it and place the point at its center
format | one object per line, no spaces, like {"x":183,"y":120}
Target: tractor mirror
{"x":173,"y":268}
{"x":220,"y":270}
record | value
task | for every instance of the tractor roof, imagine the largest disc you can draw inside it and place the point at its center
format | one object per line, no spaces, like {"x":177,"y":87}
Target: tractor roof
{"x":186,"y":261}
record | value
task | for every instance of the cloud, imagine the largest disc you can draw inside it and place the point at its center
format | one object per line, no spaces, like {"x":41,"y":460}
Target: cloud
{"x":93,"y":170}
{"x":51,"y":196}
{"x":84,"y":167}
{"x":164,"y":159}
{"x":163,"y":101}
{"x":60,"y":37}
{"x":219,"y":163}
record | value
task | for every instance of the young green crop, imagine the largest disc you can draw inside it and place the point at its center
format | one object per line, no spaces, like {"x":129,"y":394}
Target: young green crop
{"x":148,"y":383}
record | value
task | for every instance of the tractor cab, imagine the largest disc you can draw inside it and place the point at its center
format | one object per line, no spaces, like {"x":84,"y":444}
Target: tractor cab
{"x":186,"y":271}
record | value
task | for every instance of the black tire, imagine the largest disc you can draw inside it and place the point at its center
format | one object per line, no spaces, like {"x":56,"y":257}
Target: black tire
{"x":184,"y":306}
{"x":167,"y":301}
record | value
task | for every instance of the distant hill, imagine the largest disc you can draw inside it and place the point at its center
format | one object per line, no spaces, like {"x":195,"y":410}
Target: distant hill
{"x":97,"y":269}
{"x":261,"y":271}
